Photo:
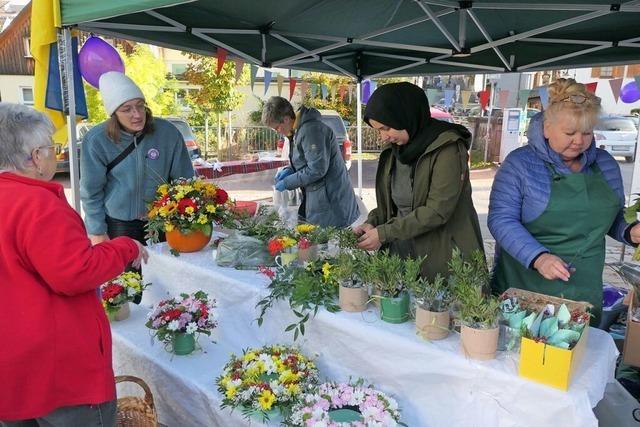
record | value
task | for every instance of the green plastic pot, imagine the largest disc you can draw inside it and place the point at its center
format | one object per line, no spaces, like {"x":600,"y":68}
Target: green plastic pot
{"x":395,"y":309}
{"x":183,"y":343}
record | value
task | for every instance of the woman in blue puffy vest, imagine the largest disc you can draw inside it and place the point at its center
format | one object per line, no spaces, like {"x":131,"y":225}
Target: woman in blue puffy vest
{"x":554,"y":200}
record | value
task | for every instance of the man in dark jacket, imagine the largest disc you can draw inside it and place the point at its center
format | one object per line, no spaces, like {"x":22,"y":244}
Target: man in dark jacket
{"x":316,"y":165}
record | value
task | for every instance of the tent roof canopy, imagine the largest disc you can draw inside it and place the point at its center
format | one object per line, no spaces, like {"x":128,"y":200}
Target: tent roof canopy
{"x":371,"y":38}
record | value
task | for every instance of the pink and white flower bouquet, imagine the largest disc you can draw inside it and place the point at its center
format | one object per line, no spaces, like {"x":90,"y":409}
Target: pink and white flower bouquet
{"x":189,"y":313}
{"x":345,"y":404}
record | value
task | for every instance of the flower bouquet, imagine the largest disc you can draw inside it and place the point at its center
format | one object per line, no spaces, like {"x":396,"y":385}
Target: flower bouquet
{"x":306,"y":288}
{"x":177,"y":320}
{"x":262,"y":381}
{"x":185,"y":211}
{"x":345,"y":404}
{"x":117,"y":293}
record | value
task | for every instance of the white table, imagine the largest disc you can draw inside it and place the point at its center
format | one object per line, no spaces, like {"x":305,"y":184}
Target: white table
{"x":433,"y":382}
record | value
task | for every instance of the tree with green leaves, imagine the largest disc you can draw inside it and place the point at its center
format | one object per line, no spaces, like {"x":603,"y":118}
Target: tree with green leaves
{"x":150,"y":75}
{"x":218,"y":93}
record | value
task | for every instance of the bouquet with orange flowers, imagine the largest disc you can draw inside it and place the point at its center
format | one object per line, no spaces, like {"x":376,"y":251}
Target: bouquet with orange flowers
{"x":187,"y":204}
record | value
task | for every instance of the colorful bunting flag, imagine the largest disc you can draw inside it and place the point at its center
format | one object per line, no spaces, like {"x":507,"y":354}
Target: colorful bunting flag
{"x":503,"y":97}
{"x":304,"y":87}
{"x":334,"y":88}
{"x":523,"y":97}
{"x":448,"y":97}
{"x":341,"y":92}
{"x":432,"y":96}
{"x":465,"y":95}
{"x":221,"y":56}
{"x":543,"y":92}
{"x":254,"y":72}
{"x":616,"y":85}
{"x":292,"y":87}
{"x":314,"y":90}
{"x":280,"y":80}
{"x":267,"y":80}
{"x":637,"y":79}
{"x":324,"y":90}
{"x":366,"y":91}
{"x":484,"y":99}
{"x":591,"y":87}
{"x":239,"y":67}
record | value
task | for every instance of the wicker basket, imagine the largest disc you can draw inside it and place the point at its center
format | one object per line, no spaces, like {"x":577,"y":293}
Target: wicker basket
{"x":136,"y":411}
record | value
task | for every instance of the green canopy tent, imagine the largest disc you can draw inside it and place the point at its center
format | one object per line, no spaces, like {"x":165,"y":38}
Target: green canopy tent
{"x":372,"y":38}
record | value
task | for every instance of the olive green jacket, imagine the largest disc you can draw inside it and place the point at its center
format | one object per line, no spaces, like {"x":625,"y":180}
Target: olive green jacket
{"x":443,"y":215}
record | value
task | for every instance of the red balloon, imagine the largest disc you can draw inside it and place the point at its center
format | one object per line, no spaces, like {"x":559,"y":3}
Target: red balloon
{"x":97,"y":57}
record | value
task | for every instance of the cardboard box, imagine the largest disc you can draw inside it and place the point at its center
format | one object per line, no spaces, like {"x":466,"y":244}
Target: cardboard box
{"x":544,"y":363}
{"x":631,"y":351}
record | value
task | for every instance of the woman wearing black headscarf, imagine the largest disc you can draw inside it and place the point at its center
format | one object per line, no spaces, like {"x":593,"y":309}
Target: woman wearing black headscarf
{"x":423,"y":191}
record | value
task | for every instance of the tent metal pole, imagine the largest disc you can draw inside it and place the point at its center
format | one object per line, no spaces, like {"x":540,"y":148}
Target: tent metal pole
{"x":568,"y":55}
{"x":439,"y":25}
{"x":293,"y":58}
{"x":488,"y":37}
{"x":74,"y":161}
{"x":393,"y":70}
{"x":567,"y":41}
{"x":359,"y":134}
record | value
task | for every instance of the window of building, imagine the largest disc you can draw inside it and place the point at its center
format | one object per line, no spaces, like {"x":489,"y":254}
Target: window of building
{"x":606,"y":71}
{"x":27,"y":95}
{"x":178,"y":69}
{"x":26,"y":41}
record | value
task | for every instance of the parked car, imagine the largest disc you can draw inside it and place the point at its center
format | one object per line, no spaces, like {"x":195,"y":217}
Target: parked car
{"x":187,"y":134}
{"x":618,"y":136}
{"x":332,"y":119}
{"x":62,"y":150}
{"x":439,"y":114}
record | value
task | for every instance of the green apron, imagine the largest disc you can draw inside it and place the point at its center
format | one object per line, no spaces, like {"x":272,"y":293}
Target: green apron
{"x":582,"y":207}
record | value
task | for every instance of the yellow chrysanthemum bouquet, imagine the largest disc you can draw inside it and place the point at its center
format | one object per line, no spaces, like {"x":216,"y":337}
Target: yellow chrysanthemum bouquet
{"x":266,"y":380}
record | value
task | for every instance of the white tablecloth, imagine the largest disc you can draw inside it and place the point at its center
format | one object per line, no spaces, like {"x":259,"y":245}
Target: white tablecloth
{"x":433,"y":382}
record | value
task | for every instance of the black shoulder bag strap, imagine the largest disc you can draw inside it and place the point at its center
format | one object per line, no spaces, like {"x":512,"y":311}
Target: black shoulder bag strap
{"x":124,"y":153}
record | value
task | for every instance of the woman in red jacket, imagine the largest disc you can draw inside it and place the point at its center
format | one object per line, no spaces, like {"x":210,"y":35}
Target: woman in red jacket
{"x":55,"y":361}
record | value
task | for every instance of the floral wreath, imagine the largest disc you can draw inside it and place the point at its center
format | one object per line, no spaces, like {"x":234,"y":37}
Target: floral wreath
{"x":271,"y":377}
{"x":345,"y":404}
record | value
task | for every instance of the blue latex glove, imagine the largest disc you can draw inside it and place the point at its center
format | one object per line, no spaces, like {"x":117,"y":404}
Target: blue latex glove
{"x":285,"y":172}
{"x":280,"y":185}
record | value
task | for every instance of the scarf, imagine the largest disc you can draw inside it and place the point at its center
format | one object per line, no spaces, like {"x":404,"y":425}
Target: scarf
{"x":405,"y":106}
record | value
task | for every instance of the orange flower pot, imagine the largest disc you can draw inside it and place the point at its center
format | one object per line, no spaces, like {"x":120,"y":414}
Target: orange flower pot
{"x":190,"y":242}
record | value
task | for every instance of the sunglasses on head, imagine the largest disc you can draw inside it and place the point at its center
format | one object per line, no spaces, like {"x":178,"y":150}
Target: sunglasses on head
{"x":580,"y":99}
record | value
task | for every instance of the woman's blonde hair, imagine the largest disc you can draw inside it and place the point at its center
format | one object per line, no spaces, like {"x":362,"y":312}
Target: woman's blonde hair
{"x":567,"y":95}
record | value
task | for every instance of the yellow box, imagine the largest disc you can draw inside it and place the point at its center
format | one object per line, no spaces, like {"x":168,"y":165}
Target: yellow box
{"x":544,"y":363}
{"x":553,"y":366}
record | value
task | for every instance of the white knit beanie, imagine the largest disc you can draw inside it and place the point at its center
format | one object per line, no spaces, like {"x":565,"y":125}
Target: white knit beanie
{"x":116,"y":89}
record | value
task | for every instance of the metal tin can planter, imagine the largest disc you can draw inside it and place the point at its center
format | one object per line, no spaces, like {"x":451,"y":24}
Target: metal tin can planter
{"x":286,"y":258}
{"x":480,"y":344}
{"x":189,"y":242}
{"x":395,"y":310}
{"x":432,"y":325}
{"x":121,"y":314}
{"x":183,"y":343}
{"x":353,"y":299}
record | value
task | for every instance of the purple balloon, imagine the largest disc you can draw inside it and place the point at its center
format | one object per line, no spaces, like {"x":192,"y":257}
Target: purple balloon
{"x":97,"y":57}
{"x":630,"y":93}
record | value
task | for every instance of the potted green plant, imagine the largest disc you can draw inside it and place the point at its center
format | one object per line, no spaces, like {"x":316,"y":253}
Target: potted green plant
{"x":386,"y":275}
{"x":478,"y":311}
{"x":353,"y":295}
{"x":433,"y":299}
{"x":479,"y":331}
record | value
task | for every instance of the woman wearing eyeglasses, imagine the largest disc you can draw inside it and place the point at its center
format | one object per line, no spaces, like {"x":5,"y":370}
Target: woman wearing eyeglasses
{"x":124,"y":159}
{"x":55,"y":361}
{"x":554,"y":200}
